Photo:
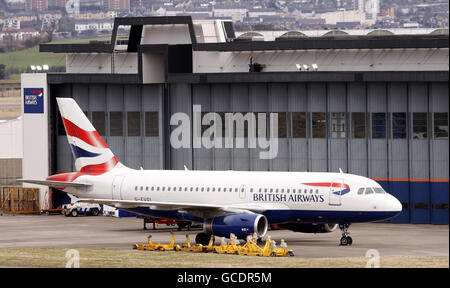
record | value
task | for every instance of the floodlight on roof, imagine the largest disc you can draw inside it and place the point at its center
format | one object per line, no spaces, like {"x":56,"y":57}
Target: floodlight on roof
{"x":299,"y":67}
{"x":305,"y":67}
{"x":39,"y":68}
{"x":315,"y":66}
{"x":45,"y":67}
{"x":33,"y":67}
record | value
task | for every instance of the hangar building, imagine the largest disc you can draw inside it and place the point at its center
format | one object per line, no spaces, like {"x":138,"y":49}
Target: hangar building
{"x":374,"y":104}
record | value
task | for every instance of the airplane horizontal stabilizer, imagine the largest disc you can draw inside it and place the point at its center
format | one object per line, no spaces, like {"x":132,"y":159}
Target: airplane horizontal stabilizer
{"x":56,"y":184}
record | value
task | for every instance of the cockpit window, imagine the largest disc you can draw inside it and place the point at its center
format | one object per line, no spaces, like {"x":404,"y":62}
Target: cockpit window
{"x":369,"y":191}
{"x":379,"y":190}
{"x":361,"y":191}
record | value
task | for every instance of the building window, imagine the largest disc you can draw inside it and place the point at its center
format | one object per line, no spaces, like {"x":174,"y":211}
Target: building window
{"x":134,"y":123}
{"x":420,"y":125}
{"x":319,"y":128}
{"x":99,"y":122}
{"x":440,"y":125}
{"x":337,"y":122}
{"x":151,"y":124}
{"x":378,"y":125}
{"x":359,"y":125}
{"x":298,"y":124}
{"x":115,"y":123}
{"x":399,"y":125}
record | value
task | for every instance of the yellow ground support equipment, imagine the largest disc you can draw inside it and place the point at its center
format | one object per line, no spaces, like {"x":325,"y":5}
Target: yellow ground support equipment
{"x":250,"y":248}
{"x":231,"y":248}
{"x":155,"y":246}
{"x":196,"y":248}
{"x":282,"y":251}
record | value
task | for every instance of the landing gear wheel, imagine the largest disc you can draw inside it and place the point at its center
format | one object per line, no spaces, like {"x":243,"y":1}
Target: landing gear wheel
{"x":94,"y":212}
{"x":202,"y":238}
{"x":350,"y":240}
{"x":345,"y":240}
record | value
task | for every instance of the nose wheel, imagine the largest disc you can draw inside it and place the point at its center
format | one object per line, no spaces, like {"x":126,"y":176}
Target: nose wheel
{"x":345,"y":240}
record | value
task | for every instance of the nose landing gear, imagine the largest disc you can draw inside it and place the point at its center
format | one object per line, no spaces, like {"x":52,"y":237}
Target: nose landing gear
{"x":345,"y":240}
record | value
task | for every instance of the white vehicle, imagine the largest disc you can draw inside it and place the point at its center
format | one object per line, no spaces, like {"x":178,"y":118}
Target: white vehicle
{"x":75,"y":209}
{"x":238,"y":202}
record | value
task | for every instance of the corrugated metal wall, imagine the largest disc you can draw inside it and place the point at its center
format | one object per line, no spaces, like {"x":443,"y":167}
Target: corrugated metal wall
{"x":416,"y":171}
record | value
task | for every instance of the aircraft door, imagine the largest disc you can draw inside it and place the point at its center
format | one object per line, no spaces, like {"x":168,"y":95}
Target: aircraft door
{"x":117,"y":187}
{"x":242,"y":191}
{"x":336,"y":188}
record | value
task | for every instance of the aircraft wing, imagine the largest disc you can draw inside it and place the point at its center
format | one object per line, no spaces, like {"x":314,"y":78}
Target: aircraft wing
{"x":240,"y":208}
{"x":56,"y":184}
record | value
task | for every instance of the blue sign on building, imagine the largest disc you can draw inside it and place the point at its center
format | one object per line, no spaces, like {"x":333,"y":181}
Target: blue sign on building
{"x":33,"y":100}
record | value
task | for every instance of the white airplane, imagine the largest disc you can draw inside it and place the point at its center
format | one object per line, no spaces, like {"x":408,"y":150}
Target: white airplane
{"x":239,"y":202}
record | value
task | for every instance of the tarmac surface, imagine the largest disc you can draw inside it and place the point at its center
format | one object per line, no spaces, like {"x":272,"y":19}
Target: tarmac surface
{"x":58,"y":231}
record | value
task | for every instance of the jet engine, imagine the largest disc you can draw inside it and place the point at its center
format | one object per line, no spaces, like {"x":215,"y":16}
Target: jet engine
{"x":310,"y":227}
{"x":240,"y":225}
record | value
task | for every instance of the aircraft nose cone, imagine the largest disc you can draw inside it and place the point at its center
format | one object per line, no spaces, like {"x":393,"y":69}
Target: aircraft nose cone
{"x":397,"y":205}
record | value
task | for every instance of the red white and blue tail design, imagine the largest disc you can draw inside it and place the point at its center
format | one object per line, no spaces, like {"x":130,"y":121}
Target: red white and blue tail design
{"x":90,"y":152}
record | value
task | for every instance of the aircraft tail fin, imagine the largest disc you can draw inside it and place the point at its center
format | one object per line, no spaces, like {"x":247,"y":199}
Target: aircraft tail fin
{"x":90,"y":152}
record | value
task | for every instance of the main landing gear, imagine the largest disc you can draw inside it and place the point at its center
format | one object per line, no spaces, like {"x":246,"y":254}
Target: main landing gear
{"x":202,"y":238}
{"x":345,"y":240}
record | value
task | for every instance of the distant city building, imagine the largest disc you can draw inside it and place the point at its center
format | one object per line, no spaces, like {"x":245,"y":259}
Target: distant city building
{"x":371,"y":7}
{"x":236,"y":14}
{"x":19,"y":34}
{"x":119,"y":5}
{"x":11,"y":23}
{"x":36,"y":5}
{"x":94,"y":24}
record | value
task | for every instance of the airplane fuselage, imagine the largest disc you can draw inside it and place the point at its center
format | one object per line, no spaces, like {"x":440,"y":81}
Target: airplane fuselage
{"x":284,"y":196}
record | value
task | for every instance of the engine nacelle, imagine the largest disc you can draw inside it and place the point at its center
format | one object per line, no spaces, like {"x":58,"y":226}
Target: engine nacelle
{"x":240,"y":225}
{"x":310,"y":227}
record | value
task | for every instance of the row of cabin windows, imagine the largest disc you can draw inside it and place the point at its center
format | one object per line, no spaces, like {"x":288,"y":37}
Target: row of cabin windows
{"x":219,"y":189}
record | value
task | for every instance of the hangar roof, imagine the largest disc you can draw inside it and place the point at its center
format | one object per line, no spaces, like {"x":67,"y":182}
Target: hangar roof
{"x":295,"y":40}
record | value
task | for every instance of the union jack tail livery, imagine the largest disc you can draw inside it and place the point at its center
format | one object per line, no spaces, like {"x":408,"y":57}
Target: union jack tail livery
{"x":90,"y":152}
